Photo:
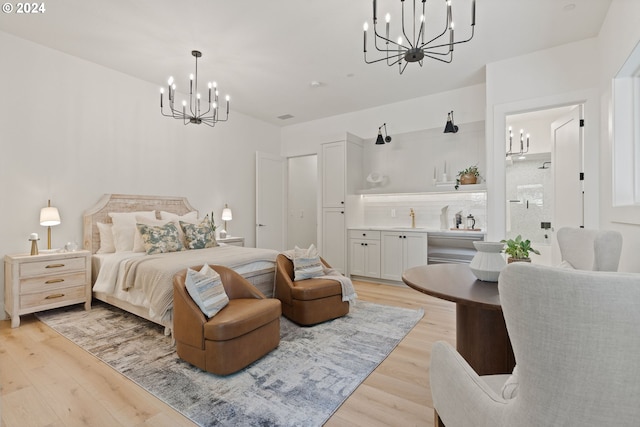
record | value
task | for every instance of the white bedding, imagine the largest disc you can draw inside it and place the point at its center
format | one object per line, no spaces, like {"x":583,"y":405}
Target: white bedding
{"x":146,"y":280}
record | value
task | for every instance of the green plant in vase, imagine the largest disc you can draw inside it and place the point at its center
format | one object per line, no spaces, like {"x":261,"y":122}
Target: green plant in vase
{"x":467,"y":176}
{"x":518,"y":249}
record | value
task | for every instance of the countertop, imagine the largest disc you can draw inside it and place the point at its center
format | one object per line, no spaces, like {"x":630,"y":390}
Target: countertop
{"x":420,"y":230}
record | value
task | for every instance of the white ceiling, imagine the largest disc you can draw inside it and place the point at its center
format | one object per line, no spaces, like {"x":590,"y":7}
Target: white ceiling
{"x":265,"y":54}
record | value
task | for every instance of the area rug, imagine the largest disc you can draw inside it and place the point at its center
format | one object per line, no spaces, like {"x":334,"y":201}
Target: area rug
{"x":301,"y":383}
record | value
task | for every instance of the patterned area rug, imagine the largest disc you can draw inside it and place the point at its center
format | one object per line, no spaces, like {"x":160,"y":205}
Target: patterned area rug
{"x":301,"y":383}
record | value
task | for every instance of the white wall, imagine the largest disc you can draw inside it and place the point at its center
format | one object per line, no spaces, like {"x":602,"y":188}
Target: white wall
{"x":72,"y":130}
{"x":302,"y":206}
{"x":416,"y":114}
{"x":620,"y":33}
{"x":554,"y":77}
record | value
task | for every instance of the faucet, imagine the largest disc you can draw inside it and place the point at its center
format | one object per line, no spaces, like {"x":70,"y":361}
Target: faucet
{"x":412,"y":214}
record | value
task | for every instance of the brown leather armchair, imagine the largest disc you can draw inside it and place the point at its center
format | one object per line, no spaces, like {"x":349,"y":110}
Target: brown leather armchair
{"x":309,"y":301}
{"x":238,"y":335}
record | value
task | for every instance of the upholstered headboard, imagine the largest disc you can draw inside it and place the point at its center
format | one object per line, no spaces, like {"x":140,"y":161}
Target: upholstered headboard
{"x":126,"y":203}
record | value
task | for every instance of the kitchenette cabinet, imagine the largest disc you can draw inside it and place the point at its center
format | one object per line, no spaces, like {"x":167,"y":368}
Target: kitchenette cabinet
{"x":364,"y":253}
{"x":401,"y":250}
{"x":340,"y":176}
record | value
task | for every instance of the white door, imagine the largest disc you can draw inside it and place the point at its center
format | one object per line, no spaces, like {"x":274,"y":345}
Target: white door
{"x":270,"y":201}
{"x":566,"y":158}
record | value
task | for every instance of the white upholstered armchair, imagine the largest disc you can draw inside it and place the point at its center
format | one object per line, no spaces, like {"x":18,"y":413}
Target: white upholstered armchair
{"x":586,"y":249}
{"x":576,"y":340}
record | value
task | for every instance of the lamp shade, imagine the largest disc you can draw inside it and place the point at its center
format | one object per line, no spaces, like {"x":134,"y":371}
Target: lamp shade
{"x":379,"y":141}
{"x":49,"y":216}
{"x":226,"y":214}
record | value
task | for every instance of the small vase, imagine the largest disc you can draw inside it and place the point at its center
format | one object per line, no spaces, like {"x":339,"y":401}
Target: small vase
{"x":488,"y":261}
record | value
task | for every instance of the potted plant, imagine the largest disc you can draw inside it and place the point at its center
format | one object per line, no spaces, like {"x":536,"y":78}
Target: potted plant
{"x":518,"y":249}
{"x":467,"y":176}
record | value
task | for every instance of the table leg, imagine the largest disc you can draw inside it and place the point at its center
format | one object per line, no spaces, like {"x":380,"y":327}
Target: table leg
{"x":482,"y":339}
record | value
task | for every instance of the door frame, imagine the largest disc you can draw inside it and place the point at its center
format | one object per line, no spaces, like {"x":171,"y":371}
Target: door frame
{"x":259,"y":155}
{"x":496,"y":178}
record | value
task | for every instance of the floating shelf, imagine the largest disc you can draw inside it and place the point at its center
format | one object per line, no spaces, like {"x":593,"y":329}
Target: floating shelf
{"x":440,"y":188}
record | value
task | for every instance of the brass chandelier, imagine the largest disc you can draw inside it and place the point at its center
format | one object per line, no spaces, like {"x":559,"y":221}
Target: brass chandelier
{"x":412,"y":46}
{"x":193,"y":113}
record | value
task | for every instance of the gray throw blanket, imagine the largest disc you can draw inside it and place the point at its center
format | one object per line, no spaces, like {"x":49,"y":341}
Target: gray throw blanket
{"x":348,"y":291}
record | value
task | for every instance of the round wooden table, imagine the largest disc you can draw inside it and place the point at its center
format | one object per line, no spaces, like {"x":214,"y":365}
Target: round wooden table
{"x":481,"y":334}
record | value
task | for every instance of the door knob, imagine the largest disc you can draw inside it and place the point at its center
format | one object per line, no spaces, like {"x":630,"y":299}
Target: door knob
{"x":262,"y":225}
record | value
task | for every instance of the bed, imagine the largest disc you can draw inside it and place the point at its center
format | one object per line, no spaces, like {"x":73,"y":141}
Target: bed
{"x":142,"y":284}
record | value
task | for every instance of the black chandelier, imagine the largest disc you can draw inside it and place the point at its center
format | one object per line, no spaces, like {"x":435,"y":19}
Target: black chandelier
{"x":194,"y":113}
{"x":413,"y":47}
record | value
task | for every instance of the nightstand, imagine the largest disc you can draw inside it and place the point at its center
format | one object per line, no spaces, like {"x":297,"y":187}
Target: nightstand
{"x":229,"y":240}
{"x":40,"y":282}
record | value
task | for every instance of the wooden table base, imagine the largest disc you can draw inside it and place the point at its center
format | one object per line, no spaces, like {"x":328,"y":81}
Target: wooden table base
{"x":482,"y":339}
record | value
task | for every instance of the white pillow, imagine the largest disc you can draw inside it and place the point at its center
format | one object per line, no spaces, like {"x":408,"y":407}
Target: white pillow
{"x":306,"y":263}
{"x":124,"y":228}
{"x":106,"y":238}
{"x":138,"y":241}
{"x":206,"y":289}
{"x":191,"y":217}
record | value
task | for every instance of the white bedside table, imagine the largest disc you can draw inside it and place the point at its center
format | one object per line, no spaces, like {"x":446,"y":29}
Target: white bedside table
{"x":40,"y":282}
{"x":231,"y":240}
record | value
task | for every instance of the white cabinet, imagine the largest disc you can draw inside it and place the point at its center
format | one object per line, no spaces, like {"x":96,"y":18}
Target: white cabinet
{"x":334,"y":238}
{"x":340,"y":176}
{"x":333,"y":174}
{"x":364,"y":253}
{"x":401,"y":250}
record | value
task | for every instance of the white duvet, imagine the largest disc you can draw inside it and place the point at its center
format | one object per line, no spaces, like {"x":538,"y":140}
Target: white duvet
{"x":147,"y":280}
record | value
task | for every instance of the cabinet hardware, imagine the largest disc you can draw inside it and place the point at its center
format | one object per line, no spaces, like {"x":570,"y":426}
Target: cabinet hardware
{"x":48,"y":282}
{"x":54,"y":296}
{"x":54,"y":266}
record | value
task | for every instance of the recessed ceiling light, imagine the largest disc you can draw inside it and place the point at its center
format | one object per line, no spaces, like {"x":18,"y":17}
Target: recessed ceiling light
{"x":569,"y":7}
{"x":285,"y":117}
{"x":315,"y":84}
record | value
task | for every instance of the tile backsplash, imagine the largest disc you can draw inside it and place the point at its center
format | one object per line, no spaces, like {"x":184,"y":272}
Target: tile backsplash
{"x":379,"y":210}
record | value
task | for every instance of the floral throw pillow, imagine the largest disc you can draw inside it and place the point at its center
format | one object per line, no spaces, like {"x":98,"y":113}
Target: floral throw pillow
{"x":199,"y":236}
{"x":160,"y":239}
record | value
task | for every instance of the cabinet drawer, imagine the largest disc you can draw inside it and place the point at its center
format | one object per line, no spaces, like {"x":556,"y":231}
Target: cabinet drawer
{"x":29,"y":269}
{"x":48,"y":283}
{"x":55,"y":297}
{"x":364,"y":234}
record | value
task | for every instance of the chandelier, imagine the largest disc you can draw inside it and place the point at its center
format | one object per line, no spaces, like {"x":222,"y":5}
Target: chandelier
{"x":192,"y":113}
{"x":522,"y":151}
{"x":411,"y":46}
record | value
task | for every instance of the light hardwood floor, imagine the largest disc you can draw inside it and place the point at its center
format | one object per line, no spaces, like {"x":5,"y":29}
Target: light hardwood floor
{"x":46,"y":380}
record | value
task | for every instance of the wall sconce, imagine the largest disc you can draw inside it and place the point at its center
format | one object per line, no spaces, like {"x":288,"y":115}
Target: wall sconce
{"x":450,"y":127}
{"x":387,"y":138}
{"x":227,"y":215}
{"x":49,"y":217}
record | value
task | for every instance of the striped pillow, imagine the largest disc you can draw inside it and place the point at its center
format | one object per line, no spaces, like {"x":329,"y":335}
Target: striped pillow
{"x":306,"y":263}
{"x":207,"y":291}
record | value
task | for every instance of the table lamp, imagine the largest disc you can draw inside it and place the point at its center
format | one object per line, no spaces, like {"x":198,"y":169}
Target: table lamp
{"x":226,"y":216}
{"x":49,"y":216}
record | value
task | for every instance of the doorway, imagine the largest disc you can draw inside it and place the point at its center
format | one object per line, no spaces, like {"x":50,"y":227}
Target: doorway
{"x":302,"y":201}
{"x":543,"y":187}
